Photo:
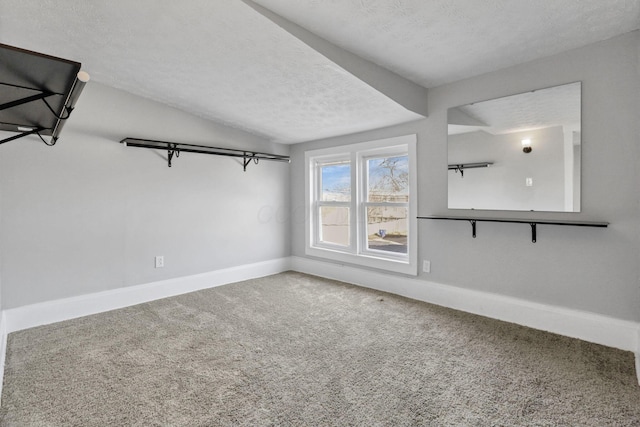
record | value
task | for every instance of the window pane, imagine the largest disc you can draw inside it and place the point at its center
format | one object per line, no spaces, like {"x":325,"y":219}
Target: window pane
{"x":387,"y":229}
{"x":388,"y":179}
{"x":335,"y":182}
{"x":334,"y":225}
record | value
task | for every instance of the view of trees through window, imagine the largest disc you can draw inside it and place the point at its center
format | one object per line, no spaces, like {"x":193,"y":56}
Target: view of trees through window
{"x":387,"y":205}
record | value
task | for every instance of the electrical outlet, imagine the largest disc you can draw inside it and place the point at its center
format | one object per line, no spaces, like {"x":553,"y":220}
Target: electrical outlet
{"x":529,"y":182}
{"x":159,"y":261}
{"x":426,"y":266}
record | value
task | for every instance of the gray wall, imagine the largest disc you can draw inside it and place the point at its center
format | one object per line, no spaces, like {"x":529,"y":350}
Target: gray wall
{"x":90,"y":215}
{"x":503,"y":185}
{"x":596,"y":270}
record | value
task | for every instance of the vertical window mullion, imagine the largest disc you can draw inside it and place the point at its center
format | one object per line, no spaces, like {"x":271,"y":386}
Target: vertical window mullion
{"x":359,"y":188}
{"x":316,"y":202}
{"x":355,"y":196}
{"x":364,"y":183}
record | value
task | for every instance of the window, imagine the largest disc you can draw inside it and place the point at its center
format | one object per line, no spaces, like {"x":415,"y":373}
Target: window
{"x":361,"y":204}
{"x":335,"y":202}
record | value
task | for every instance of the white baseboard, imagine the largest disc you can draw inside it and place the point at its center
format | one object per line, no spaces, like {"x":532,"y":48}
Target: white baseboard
{"x":44,"y":313}
{"x":583,"y":325}
{"x":587,"y":326}
{"x":638,"y":359}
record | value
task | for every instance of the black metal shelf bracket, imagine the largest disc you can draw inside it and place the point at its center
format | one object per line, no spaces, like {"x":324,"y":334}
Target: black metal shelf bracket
{"x":25,"y":100}
{"x":175,"y":148}
{"x":533,"y":232}
{"x":247,"y":160}
{"x":172,"y":150}
{"x":30,"y":77}
{"x":533,"y":223}
{"x":25,"y":130}
{"x":21,"y":135}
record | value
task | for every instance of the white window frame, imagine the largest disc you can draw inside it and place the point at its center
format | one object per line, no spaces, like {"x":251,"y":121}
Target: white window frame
{"x":317,"y":195}
{"x":357,"y":252}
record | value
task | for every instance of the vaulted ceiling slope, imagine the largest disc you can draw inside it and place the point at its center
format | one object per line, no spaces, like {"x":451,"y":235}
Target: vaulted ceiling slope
{"x":234,"y":62}
{"x":436,"y":42}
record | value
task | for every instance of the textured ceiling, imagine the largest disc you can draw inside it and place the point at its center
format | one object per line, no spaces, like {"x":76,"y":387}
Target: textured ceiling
{"x":216,"y":59}
{"x":441,"y":41}
{"x":555,"y":106}
{"x":224,"y":61}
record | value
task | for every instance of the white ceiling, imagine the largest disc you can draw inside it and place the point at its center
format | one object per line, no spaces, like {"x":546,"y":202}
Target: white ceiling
{"x":434,"y":42}
{"x":538,"y":109}
{"x":224,"y":61}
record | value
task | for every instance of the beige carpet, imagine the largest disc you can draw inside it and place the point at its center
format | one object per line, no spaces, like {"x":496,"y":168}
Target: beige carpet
{"x":296,"y":350}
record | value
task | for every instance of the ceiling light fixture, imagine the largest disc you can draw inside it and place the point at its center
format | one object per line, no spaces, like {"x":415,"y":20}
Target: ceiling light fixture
{"x":526,"y":145}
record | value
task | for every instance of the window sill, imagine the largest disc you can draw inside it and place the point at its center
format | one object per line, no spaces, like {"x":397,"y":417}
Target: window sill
{"x":408,"y":267}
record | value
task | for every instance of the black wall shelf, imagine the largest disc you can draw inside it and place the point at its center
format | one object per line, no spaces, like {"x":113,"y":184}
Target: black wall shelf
{"x":175,"y":148}
{"x":38,"y":93}
{"x":532,"y":222}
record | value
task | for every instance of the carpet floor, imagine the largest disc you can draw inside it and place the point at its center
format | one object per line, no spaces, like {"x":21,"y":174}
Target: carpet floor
{"x":298,"y":350}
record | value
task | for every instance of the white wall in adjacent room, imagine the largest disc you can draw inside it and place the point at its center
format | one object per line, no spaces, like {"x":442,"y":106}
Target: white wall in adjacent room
{"x":590,"y":269}
{"x":90,"y":214}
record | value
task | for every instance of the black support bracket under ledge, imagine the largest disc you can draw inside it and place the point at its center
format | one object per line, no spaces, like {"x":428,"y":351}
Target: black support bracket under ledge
{"x":532,"y":222}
